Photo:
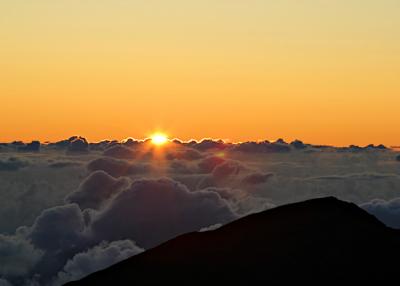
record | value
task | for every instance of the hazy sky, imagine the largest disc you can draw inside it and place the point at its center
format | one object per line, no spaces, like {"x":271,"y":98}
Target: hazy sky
{"x":322,"y":71}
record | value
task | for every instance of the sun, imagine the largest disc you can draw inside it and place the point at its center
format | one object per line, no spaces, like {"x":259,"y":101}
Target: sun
{"x":159,"y":139}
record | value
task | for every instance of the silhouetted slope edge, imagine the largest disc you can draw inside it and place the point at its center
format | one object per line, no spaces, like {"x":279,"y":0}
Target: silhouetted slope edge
{"x":322,"y":241}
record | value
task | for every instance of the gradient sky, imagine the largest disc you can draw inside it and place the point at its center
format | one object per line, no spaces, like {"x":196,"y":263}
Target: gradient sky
{"x":325,"y":72}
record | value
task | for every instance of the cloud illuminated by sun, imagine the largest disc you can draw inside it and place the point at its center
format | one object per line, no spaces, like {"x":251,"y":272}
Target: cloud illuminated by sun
{"x":159,"y":139}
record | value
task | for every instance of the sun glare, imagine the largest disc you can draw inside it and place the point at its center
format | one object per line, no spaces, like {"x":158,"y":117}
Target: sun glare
{"x":159,"y":139}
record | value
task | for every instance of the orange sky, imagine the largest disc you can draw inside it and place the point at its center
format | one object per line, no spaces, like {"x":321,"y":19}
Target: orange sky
{"x":326,"y":72}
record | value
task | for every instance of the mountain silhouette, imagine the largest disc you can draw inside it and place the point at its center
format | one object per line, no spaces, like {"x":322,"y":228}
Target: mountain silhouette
{"x":317,"y":242}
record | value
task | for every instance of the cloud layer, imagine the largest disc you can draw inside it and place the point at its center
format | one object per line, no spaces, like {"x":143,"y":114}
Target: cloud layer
{"x":73,"y":207}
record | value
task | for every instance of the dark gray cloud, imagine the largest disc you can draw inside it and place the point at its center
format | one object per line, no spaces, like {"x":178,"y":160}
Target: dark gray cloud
{"x":63,"y":164}
{"x":262,"y":147}
{"x":357,"y":176}
{"x":4,"y":282}
{"x":208,"y":164}
{"x":297,"y":144}
{"x":97,"y":258}
{"x":34,"y":146}
{"x":120,"y":152}
{"x":22,"y":263}
{"x":63,"y":144}
{"x":228,"y":169}
{"x":225,"y":193}
{"x":156,"y":210}
{"x":184,"y":154}
{"x":57,"y":228}
{"x":57,"y":242}
{"x":208,"y":144}
{"x":356,"y":149}
{"x":130,"y":142}
{"x":240,"y":201}
{"x":12,"y":164}
{"x":256,"y":178}
{"x":229,"y":173}
{"x":102,"y":145}
{"x":17,"y":256}
{"x":78,"y":145}
{"x":181,"y":167}
{"x":387,"y":211}
{"x":58,"y":232}
{"x":118,"y":167}
{"x":65,"y":237}
{"x":96,"y":189}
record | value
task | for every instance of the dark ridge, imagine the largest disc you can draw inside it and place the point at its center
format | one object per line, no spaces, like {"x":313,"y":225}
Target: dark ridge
{"x":319,"y":242}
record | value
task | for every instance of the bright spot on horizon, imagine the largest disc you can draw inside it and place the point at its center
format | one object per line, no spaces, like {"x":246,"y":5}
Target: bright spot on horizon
{"x":159,"y":139}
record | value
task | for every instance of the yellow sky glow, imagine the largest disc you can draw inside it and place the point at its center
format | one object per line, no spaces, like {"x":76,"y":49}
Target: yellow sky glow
{"x":326,"y":72}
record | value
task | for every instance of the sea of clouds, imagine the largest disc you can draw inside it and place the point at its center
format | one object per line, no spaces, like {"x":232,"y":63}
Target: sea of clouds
{"x":71,"y":208}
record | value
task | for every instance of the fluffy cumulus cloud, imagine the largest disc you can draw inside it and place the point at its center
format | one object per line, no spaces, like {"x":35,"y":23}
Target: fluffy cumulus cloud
{"x":57,"y":228}
{"x":63,"y":217}
{"x":97,"y":258}
{"x":55,"y":247}
{"x":17,"y":256}
{"x":95,"y":190}
{"x":152,"y":211}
